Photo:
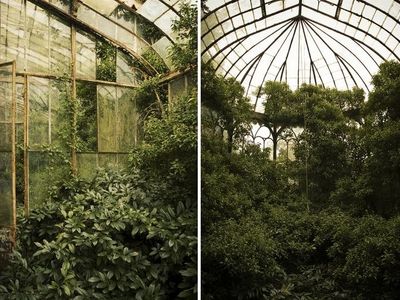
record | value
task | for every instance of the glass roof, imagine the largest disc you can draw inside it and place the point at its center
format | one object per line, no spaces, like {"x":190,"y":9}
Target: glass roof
{"x":335,"y":43}
{"x":159,"y":12}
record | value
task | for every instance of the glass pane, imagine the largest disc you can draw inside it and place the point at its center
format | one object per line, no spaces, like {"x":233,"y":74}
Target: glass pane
{"x":38,"y":178}
{"x":59,"y":104}
{"x":5,"y":189}
{"x":39,"y":108}
{"x":85,"y":56}
{"x":60,"y":47}
{"x":108,"y":161}
{"x":127,"y":120}
{"x":37,"y":30}
{"x":6,"y":210}
{"x":87,"y":165}
{"x":177,"y":87}
{"x":87,"y":117}
{"x":12,"y":35}
{"x":126,"y":73}
{"x":113,"y":161}
{"x":107,"y":109}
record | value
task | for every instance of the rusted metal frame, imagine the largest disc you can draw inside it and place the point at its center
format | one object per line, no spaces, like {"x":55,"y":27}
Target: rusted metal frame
{"x":244,"y":25}
{"x":292,"y":26}
{"x":127,"y":29}
{"x":13,"y":154}
{"x":48,"y":76}
{"x":262,"y":53}
{"x":171,"y":76}
{"x":86,"y":27}
{"x":26,"y":145}
{"x":74,"y":142}
{"x":256,"y":32}
{"x":353,"y":38}
{"x":319,"y":50}
{"x":342,"y":59}
{"x":356,"y":28}
{"x":230,"y":2}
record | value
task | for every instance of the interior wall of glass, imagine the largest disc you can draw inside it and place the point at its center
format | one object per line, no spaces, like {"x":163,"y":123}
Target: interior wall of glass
{"x":6,"y":98}
{"x":106,"y":114}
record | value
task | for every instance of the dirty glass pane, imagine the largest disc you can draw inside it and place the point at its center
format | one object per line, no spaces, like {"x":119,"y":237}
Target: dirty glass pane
{"x":127,"y":120}
{"x":38,"y":178}
{"x":85,"y":55}
{"x":124,"y":18}
{"x":59,"y":106}
{"x":107,"y":122}
{"x":125,"y":69}
{"x":126,"y":37}
{"x":102,"y":6}
{"x":87,"y":117}
{"x":5,"y":189}
{"x":87,"y":165}
{"x":39,"y":109}
{"x":12,"y":36}
{"x":177,"y":87}
{"x":108,"y":161}
{"x":116,"y":162}
{"x":162,"y":47}
{"x":6,"y":211}
{"x":60,"y":47}
{"x":37,"y":34}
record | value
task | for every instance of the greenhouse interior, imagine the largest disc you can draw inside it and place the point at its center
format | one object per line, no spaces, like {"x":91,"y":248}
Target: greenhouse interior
{"x":98,"y":149}
{"x":300,"y":149}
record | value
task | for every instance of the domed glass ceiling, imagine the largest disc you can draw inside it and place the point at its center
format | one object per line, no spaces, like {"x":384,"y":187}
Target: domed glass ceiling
{"x":335,"y":43}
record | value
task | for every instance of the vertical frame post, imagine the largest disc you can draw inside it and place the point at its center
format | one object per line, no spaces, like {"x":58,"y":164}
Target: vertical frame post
{"x":26,"y":144}
{"x":13,"y":154}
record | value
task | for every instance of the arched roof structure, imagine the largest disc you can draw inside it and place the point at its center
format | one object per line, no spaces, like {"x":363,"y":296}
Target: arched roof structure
{"x":335,"y":43}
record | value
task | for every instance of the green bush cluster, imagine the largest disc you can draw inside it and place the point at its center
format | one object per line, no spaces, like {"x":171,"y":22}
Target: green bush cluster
{"x":265,"y":233}
{"x":124,"y":235}
{"x":112,"y":240}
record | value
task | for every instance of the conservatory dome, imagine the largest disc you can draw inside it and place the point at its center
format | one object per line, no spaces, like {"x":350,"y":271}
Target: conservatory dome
{"x":334,"y":43}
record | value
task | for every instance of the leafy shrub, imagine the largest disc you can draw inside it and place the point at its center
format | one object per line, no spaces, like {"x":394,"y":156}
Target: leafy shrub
{"x":111,"y":241}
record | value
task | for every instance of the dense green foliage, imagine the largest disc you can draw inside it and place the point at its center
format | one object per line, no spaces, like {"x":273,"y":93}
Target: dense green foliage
{"x":122,"y":235}
{"x":184,"y":52}
{"x":266,"y":235}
